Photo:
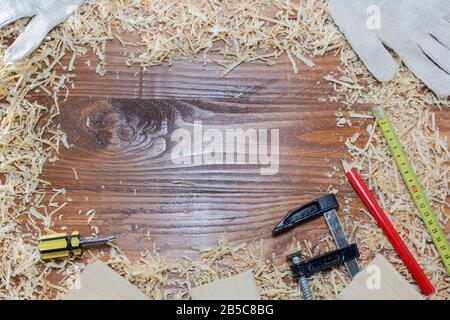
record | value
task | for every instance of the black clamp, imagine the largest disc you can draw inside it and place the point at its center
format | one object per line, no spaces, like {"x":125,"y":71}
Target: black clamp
{"x":306,"y":212}
{"x":322,"y":262}
{"x":301,"y":269}
{"x":346,"y":254}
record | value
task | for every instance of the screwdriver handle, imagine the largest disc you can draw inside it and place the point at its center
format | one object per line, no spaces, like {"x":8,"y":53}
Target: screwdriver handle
{"x":60,"y":245}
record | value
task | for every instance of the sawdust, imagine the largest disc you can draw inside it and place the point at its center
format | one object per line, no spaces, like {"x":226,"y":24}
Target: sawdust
{"x":240,"y":31}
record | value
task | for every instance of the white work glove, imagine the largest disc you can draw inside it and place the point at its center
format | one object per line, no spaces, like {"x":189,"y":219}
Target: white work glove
{"x":415,"y":29}
{"x":47,"y":14}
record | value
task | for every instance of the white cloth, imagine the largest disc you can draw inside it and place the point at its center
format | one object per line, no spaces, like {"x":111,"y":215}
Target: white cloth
{"x":46,"y":15}
{"x":417,"y":30}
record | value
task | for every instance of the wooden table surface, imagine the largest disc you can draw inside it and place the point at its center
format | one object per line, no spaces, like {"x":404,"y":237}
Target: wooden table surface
{"x":120,"y":129}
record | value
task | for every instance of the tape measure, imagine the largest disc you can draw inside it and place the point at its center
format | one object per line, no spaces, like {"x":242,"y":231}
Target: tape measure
{"x":414,"y":187}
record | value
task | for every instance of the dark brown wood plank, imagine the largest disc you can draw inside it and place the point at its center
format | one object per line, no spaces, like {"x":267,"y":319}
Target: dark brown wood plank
{"x":193,"y":80}
{"x":120,"y":126}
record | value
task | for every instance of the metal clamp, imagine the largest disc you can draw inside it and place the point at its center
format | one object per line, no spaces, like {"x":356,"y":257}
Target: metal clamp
{"x":326,"y":206}
{"x":302,"y":269}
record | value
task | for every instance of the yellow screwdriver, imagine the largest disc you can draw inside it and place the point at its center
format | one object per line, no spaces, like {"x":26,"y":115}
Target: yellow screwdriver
{"x":62,"y":245}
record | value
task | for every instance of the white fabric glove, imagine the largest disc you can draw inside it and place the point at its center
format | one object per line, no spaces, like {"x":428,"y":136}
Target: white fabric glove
{"x":47,"y":14}
{"x":417,"y":30}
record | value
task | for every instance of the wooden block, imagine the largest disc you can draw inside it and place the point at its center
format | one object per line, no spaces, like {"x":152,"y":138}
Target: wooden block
{"x":100,"y":282}
{"x":239,"y":287}
{"x":379,"y":281}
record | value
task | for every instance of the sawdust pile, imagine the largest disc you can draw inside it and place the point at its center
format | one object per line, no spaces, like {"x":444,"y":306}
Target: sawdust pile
{"x":29,"y":138}
{"x":240,"y":31}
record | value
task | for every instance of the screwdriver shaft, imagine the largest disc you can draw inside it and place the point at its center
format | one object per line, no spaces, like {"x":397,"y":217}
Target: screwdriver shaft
{"x":88,"y":242}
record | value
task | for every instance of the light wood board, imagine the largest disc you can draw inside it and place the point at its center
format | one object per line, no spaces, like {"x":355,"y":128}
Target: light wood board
{"x":239,"y":287}
{"x":391,"y":285}
{"x":100,"y":282}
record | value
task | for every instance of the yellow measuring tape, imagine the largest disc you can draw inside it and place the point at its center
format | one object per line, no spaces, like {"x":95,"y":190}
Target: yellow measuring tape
{"x":414,"y":186}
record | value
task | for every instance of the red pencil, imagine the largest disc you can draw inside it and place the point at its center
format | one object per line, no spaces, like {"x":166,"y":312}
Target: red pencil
{"x":388,"y":229}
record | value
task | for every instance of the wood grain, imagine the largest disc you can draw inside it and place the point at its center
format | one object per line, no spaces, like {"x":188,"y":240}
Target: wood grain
{"x":120,"y":128}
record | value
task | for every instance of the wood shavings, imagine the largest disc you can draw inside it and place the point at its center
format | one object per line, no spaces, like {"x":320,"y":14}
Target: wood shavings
{"x":352,"y":114}
{"x":91,"y":215}
{"x":95,"y":231}
{"x":167,"y":30}
{"x":341,"y":121}
{"x":75,"y":173}
{"x":343,"y":83}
